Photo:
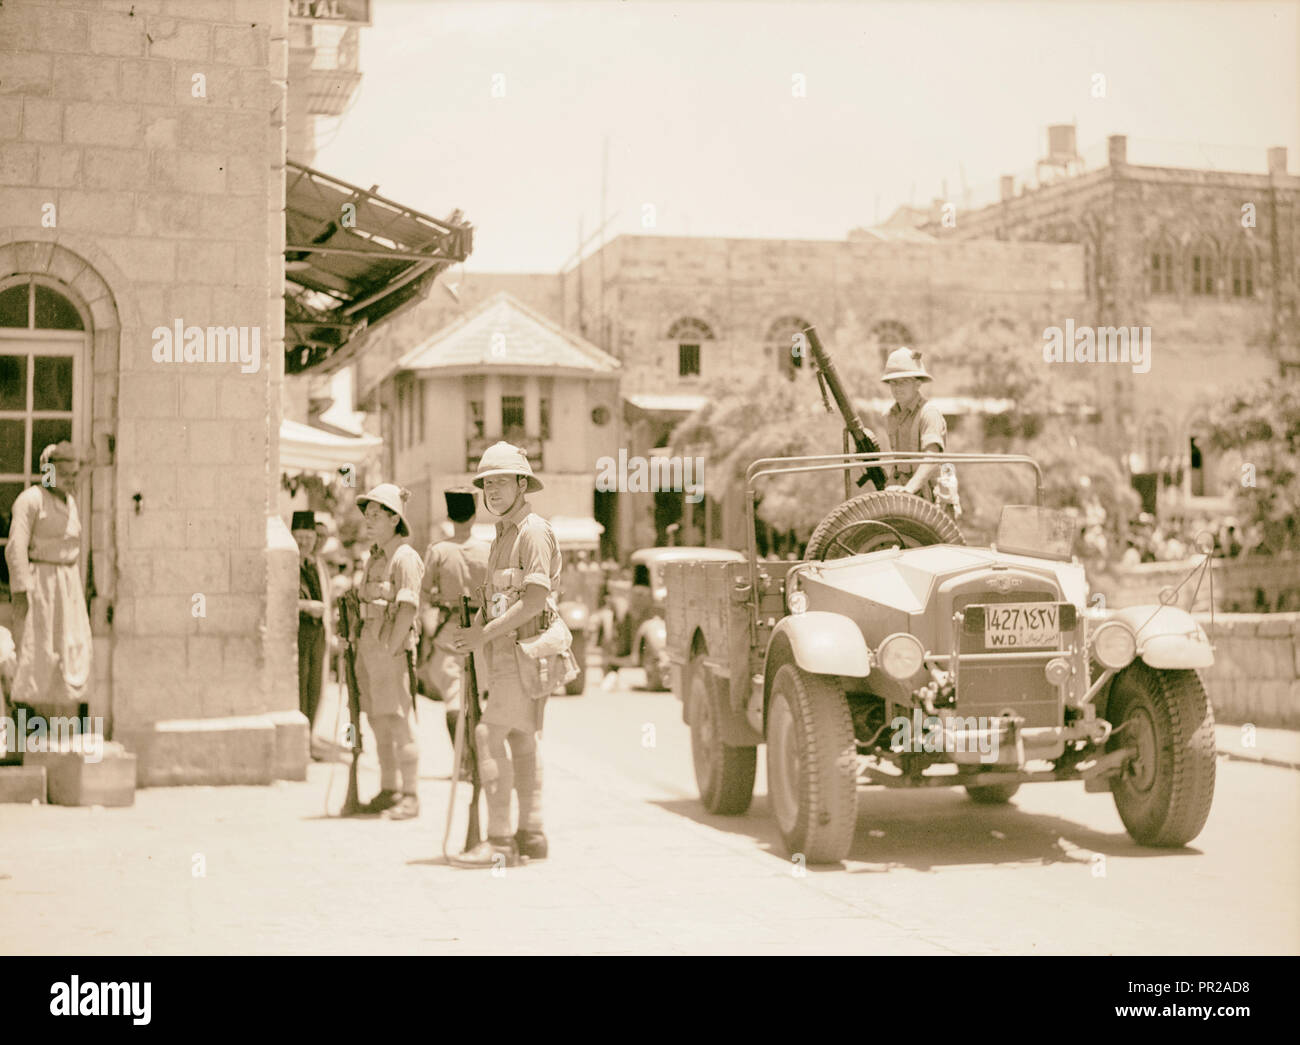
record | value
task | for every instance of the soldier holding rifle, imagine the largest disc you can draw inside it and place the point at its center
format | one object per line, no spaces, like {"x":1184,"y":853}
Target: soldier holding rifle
{"x":452,"y":568}
{"x":390,"y":599}
{"x":520,"y":607}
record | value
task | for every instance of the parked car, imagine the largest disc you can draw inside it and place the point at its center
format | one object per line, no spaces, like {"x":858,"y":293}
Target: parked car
{"x":895,"y":655}
{"x":581,"y":581}
{"x":634,"y":633}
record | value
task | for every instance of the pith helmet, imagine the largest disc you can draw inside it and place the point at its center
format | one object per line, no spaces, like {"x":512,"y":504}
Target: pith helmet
{"x":903,"y":362}
{"x":505,"y":459}
{"x":392,"y":497}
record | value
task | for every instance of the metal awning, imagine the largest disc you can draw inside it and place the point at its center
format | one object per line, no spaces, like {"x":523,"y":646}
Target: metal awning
{"x":354,"y":259}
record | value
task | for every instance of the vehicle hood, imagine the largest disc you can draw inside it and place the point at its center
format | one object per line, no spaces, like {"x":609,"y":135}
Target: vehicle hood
{"x":907,"y":579}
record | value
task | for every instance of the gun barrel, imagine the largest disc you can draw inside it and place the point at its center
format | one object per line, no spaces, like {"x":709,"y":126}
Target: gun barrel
{"x":861,"y":437}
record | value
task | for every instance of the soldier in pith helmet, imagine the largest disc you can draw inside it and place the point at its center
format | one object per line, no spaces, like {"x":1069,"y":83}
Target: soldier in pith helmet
{"x":390,"y":602}
{"x":913,"y":424}
{"x":453,"y":568}
{"x":519,"y":603}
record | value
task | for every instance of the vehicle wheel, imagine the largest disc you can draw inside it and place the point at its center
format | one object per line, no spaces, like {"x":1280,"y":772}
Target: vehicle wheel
{"x":725,"y":774}
{"x":654,"y":670}
{"x":812,"y":768}
{"x":1164,"y":794}
{"x":575,"y":686}
{"x":992,"y":794}
{"x":872,"y":521}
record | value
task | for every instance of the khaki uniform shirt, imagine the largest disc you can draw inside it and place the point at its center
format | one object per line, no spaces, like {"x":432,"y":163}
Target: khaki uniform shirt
{"x":914,"y":431}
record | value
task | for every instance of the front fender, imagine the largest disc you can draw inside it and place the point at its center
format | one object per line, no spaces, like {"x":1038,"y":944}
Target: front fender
{"x":653,"y":634}
{"x":1167,"y":636}
{"x":824,"y":644}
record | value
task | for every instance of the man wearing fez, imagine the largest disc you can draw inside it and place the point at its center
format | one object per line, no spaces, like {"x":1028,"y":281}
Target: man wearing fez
{"x":452,"y":568}
{"x":312,"y":616}
{"x":49,"y":600}
{"x":390,"y":603}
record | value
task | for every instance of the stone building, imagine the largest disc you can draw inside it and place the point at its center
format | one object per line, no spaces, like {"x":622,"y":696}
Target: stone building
{"x":142,"y":191}
{"x":501,"y":371}
{"x":1205,"y":258}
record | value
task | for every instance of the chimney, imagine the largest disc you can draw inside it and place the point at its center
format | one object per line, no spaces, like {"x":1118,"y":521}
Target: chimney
{"x":1277,"y":159}
{"x":1117,"y":150}
{"x":1007,"y":187}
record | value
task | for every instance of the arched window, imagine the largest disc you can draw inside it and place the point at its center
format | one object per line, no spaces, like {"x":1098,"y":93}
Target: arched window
{"x":785,"y":344}
{"x":43,"y":352}
{"x":889,"y":336}
{"x":1161,"y":269}
{"x":1203,"y":266}
{"x":690,"y":334}
{"x":1241,"y":271}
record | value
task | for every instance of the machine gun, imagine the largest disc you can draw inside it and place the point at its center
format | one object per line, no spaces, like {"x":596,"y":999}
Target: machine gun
{"x":350,"y":628}
{"x":829,"y":378}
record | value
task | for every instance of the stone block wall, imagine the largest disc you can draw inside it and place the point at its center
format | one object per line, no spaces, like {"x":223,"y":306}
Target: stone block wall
{"x":1256,"y":673}
{"x":155,"y":129}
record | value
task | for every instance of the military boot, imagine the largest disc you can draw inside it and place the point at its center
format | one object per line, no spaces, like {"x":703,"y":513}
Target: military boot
{"x":407,"y":807}
{"x":531,"y":844}
{"x":384,"y":800}
{"x":493,"y":852}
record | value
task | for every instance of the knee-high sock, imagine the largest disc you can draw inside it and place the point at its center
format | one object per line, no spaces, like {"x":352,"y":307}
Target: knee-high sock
{"x":384,"y":728}
{"x":407,"y":753}
{"x":527,"y":757}
{"x":498,"y":779}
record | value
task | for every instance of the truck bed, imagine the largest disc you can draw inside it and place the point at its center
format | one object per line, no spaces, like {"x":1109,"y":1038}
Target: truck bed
{"x":711,"y":602}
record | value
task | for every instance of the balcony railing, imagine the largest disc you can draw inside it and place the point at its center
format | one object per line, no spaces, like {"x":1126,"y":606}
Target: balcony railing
{"x":531,"y":445}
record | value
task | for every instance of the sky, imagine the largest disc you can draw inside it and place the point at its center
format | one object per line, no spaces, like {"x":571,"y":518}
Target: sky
{"x":785,"y":120}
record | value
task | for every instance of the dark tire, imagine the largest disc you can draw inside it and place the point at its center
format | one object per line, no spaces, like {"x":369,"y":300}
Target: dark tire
{"x":725,"y":774}
{"x":992,"y":794}
{"x":654,"y":670}
{"x":575,"y":686}
{"x":1164,"y":795}
{"x":881,"y":520}
{"x":812,"y":768}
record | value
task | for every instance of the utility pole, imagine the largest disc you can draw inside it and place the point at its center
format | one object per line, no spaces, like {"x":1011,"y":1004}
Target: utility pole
{"x":604,"y":179}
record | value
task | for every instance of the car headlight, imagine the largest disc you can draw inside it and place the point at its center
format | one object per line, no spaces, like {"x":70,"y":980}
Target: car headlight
{"x":1114,"y":645}
{"x":901,"y":656}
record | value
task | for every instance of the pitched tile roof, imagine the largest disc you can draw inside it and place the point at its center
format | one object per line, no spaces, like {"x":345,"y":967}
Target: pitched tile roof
{"x":505,"y":332}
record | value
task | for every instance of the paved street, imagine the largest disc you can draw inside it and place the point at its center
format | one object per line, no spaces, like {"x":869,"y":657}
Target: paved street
{"x":638,"y":867}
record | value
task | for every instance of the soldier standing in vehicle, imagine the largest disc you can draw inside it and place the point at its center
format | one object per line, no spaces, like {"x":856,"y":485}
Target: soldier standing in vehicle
{"x":913,"y":424}
{"x":390,"y":601}
{"x":520,"y":602}
{"x":453,"y":567}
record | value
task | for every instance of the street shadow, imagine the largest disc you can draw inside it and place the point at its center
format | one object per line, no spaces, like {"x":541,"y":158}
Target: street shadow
{"x":931,"y":829}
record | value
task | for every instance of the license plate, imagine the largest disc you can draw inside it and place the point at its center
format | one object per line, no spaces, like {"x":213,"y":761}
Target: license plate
{"x":1015,"y":625}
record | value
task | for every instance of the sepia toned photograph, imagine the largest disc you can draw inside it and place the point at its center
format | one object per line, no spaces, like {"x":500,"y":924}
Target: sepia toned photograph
{"x":592,"y":478}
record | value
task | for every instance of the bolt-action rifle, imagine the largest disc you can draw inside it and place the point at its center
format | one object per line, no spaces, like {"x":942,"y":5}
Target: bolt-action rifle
{"x":829,"y":378}
{"x":350,"y":628}
{"x":466,"y":726}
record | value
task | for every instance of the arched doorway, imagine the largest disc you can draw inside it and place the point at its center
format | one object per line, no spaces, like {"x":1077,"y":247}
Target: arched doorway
{"x":44,"y":396}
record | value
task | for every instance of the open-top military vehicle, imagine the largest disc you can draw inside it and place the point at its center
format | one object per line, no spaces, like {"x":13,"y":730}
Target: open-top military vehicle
{"x":895,"y":655}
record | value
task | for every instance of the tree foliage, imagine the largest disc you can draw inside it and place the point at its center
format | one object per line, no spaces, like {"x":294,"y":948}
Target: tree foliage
{"x":763,"y":414}
{"x":1263,"y":426}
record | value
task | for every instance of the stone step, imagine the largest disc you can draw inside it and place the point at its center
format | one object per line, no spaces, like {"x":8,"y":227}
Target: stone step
{"x":22,"y":784}
{"x":91,"y":772}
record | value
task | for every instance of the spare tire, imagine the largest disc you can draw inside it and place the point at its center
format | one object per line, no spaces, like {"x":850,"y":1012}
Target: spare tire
{"x":884,"y":519}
